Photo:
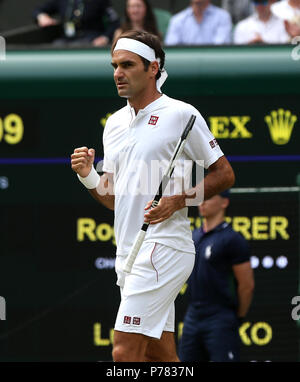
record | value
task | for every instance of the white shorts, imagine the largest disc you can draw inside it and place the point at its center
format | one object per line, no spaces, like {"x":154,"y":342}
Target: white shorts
{"x":149,"y":291}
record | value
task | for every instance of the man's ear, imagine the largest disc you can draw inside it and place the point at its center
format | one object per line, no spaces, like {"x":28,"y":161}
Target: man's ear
{"x":154,"y":67}
{"x":225,"y":202}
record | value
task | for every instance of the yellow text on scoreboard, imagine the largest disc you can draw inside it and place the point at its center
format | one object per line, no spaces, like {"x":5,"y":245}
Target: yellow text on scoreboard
{"x":261,"y":227}
{"x":89,"y":230}
{"x":256,"y":227}
{"x":257,"y":333}
{"x":11,"y":129}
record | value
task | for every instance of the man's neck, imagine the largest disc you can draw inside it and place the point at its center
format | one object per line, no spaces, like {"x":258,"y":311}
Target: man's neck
{"x":199,"y":15}
{"x":143,"y":100}
{"x":137,"y":26}
{"x":294,"y":3}
{"x":266,"y":17}
{"x":210,"y":223}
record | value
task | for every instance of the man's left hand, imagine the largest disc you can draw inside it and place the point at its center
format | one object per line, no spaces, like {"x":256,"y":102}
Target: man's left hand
{"x":292,"y":29}
{"x":165,"y":208}
{"x":101,"y":41}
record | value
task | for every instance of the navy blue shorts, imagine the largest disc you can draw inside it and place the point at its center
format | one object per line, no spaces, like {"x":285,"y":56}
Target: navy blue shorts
{"x":210,"y":338}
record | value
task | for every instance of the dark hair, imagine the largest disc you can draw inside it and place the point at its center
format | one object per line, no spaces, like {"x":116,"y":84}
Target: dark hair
{"x":149,"y":39}
{"x":150,"y":24}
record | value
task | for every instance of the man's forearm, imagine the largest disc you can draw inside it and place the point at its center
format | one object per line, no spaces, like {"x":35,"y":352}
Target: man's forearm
{"x":107,"y":200}
{"x":104,"y":193}
{"x":220,"y":178}
{"x":245,"y":297}
{"x":215,"y":183}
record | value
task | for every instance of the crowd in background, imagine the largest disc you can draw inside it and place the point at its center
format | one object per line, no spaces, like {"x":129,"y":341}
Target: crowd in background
{"x":201,"y":23}
{"x":204,"y":23}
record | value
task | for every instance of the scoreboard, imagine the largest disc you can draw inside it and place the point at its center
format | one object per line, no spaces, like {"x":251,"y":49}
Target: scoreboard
{"x":57,"y":246}
{"x":57,"y":275}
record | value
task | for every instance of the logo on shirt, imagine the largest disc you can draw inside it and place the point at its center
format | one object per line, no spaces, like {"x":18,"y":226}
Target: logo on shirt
{"x":127,"y":320}
{"x":153,"y":120}
{"x":213,"y":143}
{"x":136,"y":321}
{"x":208,"y":251}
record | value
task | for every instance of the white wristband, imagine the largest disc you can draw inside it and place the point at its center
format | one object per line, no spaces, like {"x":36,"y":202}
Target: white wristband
{"x":92,"y":180}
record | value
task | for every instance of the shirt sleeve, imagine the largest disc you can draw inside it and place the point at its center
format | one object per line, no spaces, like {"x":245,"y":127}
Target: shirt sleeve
{"x":223,"y":34}
{"x":173,"y":32}
{"x":201,"y":145}
{"x":238,"y":249}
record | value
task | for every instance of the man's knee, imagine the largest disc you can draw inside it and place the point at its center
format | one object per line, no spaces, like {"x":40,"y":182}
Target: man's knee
{"x":120,"y":353}
{"x":129,"y":347}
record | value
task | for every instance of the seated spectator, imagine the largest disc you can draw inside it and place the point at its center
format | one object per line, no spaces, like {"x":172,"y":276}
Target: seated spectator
{"x":138,"y":16}
{"x":239,"y":9}
{"x":201,"y":23}
{"x":289,"y":12}
{"x":84,"y":21}
{"x":262,"y":27}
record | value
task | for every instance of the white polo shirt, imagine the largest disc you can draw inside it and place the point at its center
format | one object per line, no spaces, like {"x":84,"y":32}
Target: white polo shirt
{"x":133,"y":147}
{"x":271,"y":32}
{"x":283,"y":10}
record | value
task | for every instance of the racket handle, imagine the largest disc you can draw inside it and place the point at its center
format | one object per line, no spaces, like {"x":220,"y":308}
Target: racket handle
{"x":134,"y":251}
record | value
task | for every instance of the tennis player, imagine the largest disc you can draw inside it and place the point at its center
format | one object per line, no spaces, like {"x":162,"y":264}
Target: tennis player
{"x":144,"y":132}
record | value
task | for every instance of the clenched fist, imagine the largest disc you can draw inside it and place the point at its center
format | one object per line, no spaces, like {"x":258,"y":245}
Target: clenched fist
{"x":82,"y":161}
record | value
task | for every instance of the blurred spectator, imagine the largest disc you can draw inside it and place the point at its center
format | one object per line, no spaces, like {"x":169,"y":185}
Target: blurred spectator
{"x":84,"y":21}
{"x":289,"y":11}
{"x":138,"y":16}
{"x":201,"y":23}
{"x":239,"y":9}
{"x":262,"y":27}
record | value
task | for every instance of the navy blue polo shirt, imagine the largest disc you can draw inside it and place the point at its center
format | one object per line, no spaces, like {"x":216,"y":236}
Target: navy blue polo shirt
{"x":212,"y":285}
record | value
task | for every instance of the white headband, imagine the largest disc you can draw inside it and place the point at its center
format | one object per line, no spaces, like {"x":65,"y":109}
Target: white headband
{"x":142,"y":50}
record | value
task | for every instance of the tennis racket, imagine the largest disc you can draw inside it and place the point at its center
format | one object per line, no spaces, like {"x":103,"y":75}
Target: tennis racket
{"x":141,"y":235}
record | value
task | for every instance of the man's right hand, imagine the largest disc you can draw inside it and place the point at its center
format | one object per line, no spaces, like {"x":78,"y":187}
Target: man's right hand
{"x":45,"y":20}
{"x":82,"y":161}
{"x":257,"y":39}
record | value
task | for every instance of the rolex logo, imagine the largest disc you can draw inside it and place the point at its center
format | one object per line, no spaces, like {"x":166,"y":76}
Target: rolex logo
{"x":281,"y":124}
